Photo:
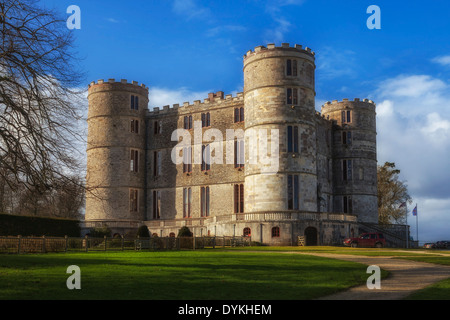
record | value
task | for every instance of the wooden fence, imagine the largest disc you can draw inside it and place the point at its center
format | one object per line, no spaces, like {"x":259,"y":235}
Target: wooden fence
{"x":18,"y":245}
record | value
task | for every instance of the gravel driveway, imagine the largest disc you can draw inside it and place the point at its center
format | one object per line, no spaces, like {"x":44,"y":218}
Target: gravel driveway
{"x":405,"y":277}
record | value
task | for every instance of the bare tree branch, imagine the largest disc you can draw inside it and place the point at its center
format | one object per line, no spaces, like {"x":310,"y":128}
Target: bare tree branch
{"x":40,"y":107}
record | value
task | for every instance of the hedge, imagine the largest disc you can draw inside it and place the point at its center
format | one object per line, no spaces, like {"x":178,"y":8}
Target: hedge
{"x":11,"y":225}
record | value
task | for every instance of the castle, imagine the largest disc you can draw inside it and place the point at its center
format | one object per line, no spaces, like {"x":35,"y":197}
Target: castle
{"x":323,"y":185}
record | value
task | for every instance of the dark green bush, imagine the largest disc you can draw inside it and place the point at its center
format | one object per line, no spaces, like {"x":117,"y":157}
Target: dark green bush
{"x":184,"y":232}
{"x":143,"y":232}
{"x":100,"y":232}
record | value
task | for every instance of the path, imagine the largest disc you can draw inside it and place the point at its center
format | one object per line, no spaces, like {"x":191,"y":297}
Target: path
{"x":405,"y":277}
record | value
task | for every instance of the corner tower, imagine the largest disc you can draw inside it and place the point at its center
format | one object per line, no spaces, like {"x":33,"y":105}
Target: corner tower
{"x":354,"y":157}
{"x":279,"y":95}
{"x":116,"y":155}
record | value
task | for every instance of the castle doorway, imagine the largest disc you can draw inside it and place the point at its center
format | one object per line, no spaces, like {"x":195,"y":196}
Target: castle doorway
{"x":311,"y":236}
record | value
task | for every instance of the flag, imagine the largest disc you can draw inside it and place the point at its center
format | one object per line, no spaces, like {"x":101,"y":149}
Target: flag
{"x":402,"y":205}
{"x":414,"y":212}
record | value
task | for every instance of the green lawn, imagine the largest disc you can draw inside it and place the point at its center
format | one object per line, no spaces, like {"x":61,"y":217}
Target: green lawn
{"x":437,"y":291}
{"x":348,"y":250}
{"x":202,"y":274}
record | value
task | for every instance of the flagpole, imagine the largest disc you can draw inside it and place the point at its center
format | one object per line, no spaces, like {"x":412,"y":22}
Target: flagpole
{"x":417,"y":225}
{"x":406,"y":225}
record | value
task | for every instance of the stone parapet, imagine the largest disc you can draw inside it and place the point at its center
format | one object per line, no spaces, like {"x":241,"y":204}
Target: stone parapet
{"x":197,"y":105}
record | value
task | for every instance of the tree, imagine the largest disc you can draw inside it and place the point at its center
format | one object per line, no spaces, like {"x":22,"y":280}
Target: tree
{"x":39,"y":105}
{"x":392,"y":193}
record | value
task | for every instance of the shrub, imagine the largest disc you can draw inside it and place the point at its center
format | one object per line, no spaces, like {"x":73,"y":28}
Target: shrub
{"x":100,"y":232}
{"x":143,"y":232}
{"x":185,"y":232}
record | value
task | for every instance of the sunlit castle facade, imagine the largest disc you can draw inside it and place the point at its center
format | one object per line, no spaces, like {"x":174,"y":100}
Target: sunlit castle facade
{"x":263,"y":163}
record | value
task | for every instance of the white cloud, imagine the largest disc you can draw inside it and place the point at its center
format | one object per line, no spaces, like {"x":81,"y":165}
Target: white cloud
{"x":189,"y":9}
{"x":333,"y":63}
{"x":217,"y":31}
{"x":443,"y":60}
{"x":163,"y":96}
{"x":275,"y":6}
{"x":432,"y":220}
{"x":412,"y":86}
{"x":277,"y":34}
{"x":413,"y":125}
{"x":112,"y":20}
{"x":436,"y":128}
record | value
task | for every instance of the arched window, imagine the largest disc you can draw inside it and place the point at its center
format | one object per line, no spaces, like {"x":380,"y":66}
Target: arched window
{"x":275,"y":232}
{"x":172,"y":235}
{"x":247,"y":232}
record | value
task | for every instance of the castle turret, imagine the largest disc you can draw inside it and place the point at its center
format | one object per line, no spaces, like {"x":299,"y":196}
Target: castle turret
{"x":116,"y":155}
{"x":354,"y":157}
{"x":279,"y":96}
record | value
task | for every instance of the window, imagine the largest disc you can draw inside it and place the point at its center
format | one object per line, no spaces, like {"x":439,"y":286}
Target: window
{"x":157,"y":163}
{"x":172,"y":235}
{"x":133,"y":200}
{"x":275,"y":232}
{"x":134,"y":103}
{"x":134,"y":160}
{"x":238,"y":198}
{"x":361,"y":173}
{"x":188,"y":122}
{"x":239,"y":115}
{"x":187,"y":160}
{"x":292,"y":138}
{"x":346,"y":116}
{"x":206,"y":120}
{"x":347,"y":170}
{"x":134,"y":126}
{"x":239,"y":154}
{"x":206,"y":158}
{"x":292,"y":96}
{"x":347,"y":137}
{"x":291,"y":67}
{"x":347,"y":204}
{"x":292,"y":192}
{"x":204,"y":201}
{"x":156,"y":204}
{"x":157,"y":129}
{"x":247,"y":232}
{"x":187,"y":202}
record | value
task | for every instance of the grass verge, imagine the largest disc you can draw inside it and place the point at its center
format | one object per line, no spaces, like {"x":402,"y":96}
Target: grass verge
{"x":192,"y":275}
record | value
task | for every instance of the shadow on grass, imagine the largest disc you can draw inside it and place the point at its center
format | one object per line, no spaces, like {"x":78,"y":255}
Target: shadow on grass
{"x":177,"y":275}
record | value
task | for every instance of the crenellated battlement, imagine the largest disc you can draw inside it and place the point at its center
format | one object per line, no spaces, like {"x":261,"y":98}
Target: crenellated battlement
{"x":122,"y":81}
{"x":284,"y":46}
{"x":212,"y":100}
{"x":347,"y":100}
{"x":138,"y":172}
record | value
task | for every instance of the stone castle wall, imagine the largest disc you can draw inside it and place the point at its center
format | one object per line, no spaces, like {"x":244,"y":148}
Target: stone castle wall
{"x":317,"y":162}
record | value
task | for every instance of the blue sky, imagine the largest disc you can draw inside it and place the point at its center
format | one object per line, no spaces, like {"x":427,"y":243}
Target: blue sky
{"x":183,"y":49}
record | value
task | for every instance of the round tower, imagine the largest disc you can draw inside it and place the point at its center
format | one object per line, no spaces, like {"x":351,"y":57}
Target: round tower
{"x":115,"y":177}
{"x":355,"y":157}
{"x":279,"y":97}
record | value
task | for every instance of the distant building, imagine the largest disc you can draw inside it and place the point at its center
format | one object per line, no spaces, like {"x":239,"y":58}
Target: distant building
{"x":325,"y":177}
